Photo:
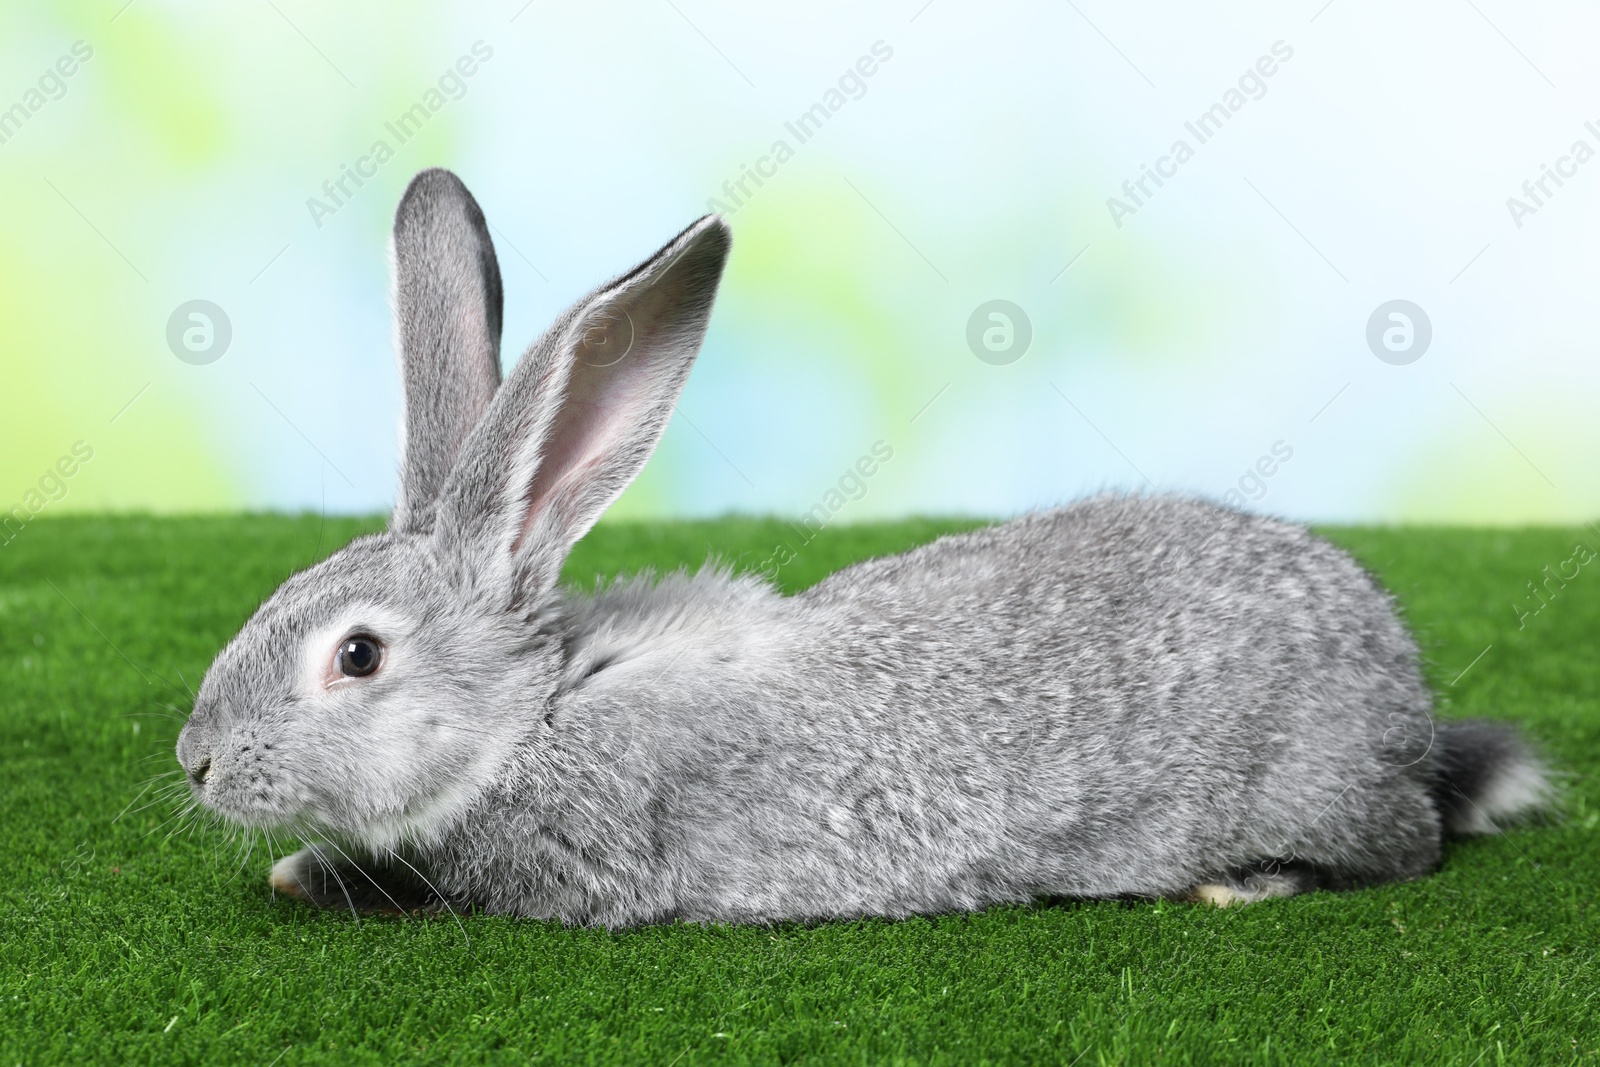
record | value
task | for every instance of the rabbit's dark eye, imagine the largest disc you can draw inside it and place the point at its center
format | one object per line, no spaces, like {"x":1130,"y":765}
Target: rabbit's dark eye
{"x":359,"y":656}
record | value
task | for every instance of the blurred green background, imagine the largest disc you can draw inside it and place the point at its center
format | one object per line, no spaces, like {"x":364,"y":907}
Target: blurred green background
{"x":1173,"y":345}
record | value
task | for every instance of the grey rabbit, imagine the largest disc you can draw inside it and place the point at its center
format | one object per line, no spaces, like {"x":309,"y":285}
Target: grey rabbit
{"x":1126,"y":697}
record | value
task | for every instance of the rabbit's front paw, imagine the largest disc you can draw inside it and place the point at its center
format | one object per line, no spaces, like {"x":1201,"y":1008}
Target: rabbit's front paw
{"x":328,"y":880}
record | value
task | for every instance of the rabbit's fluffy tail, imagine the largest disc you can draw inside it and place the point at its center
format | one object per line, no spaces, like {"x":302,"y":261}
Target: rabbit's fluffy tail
{"x":1486,"y":776}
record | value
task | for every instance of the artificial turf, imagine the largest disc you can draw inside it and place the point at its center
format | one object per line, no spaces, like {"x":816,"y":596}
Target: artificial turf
{"x":121,"y":942}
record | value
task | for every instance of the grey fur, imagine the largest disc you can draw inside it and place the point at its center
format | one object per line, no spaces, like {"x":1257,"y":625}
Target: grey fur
{"x":448,"y":306}
{"x":1124,"y":697}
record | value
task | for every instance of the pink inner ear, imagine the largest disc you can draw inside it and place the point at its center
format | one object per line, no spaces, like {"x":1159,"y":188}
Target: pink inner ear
{"x":600,"y":404}
{"x":571,"y":450}
{"x":609,"y":412}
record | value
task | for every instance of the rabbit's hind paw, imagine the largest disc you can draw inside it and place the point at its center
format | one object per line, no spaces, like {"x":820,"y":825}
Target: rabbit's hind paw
{"x":1248,"y":887}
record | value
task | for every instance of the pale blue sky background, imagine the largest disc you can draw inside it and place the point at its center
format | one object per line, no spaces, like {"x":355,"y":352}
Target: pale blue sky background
{"x":1228,"y":314}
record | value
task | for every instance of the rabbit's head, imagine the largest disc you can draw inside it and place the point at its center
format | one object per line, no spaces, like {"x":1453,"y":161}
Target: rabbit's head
{"x":376,"y":694}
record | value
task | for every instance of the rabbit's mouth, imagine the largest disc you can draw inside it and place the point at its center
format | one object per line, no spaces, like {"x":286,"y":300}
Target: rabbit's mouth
{"x":241,"y":783}
{"x":356,"y":815}
{"x":251,"y":807}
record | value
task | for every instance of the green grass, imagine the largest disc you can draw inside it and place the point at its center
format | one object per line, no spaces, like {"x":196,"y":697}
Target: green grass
{"x":122,"y":944}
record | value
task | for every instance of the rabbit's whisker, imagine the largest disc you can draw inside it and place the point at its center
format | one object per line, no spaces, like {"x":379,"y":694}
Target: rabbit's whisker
{"x":442,"y":898}
{"x":375,"y":883}
{"x":329,"y":867}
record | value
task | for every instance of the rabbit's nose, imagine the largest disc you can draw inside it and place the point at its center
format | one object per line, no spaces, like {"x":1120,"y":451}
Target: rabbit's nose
{"x":200,"y":772}
{"x":194,"y":753}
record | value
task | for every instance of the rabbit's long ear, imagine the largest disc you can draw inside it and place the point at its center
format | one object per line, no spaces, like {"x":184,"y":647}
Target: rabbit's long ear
{"x":448,"y":304}
{"x":579,"y":416}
